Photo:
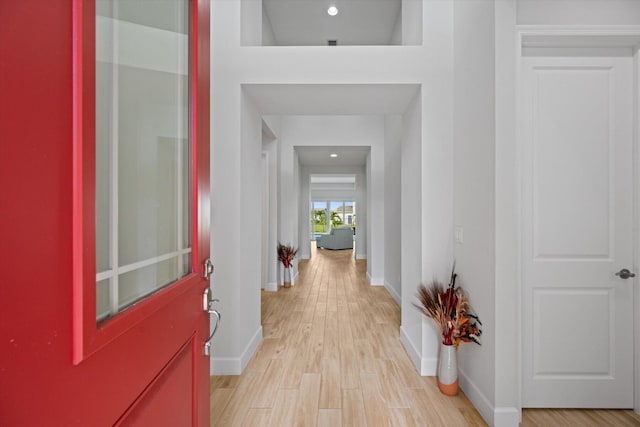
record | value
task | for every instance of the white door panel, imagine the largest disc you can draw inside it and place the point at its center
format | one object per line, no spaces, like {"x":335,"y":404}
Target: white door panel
{"x":577,"y":199}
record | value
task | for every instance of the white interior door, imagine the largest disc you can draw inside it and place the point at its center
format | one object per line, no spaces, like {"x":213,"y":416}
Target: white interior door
{"x":577,"y":122}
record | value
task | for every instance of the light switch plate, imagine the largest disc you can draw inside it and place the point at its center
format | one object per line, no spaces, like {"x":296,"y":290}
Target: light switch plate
{"x":459,"y":235}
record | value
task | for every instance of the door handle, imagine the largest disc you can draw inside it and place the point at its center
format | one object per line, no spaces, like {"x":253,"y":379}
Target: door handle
{"x":207,"y":303}
{"x":207,"y":344}
{"x":625,"y":274}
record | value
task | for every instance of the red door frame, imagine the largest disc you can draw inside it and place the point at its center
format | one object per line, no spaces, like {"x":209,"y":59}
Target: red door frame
{"x":57,"y":367}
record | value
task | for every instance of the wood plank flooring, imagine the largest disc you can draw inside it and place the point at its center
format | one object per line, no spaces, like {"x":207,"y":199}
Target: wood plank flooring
{"x":579,"y":418}
{"x":331,"y":356}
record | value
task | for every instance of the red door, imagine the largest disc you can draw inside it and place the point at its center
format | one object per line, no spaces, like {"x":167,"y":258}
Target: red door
{"x":104,"y":217}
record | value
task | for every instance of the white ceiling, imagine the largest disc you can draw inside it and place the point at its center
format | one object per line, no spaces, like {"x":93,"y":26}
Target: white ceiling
{"x":319,"y":156}
{"x":332,"y":99}
{"x":306,"y":22}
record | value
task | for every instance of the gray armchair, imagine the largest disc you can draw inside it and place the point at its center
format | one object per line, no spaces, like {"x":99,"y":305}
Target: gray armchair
{"x":339,"y":238}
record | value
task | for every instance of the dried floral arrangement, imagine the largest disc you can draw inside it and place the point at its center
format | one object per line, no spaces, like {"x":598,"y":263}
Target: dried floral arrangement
{"x":450,"y":309}
{"x":286,"y":254}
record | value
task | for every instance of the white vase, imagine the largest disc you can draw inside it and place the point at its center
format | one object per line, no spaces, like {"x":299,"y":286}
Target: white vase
{"x":448,"y":370}
{"x":287,"y":278}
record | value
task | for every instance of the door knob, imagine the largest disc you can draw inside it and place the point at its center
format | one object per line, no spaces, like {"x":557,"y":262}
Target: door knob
{"x":625,"y":274}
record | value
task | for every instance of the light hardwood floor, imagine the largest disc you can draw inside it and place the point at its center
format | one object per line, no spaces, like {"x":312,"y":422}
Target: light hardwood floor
{"x":579,"y":418}
{"x":332,"y":356}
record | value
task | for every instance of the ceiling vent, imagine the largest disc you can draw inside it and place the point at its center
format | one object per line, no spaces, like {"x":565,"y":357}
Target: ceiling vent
{"x":332,"y":42}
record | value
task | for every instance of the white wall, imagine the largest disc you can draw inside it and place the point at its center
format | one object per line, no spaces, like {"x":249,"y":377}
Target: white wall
{"x":396,"y":34}
{"x":392,"y":205}
{"x":506,"y":316}
{"x":295,"y":219}
{"x":271,"y":126}
{"x":375,"y":214}
{"x":235,"y":282}
{"x":411,"y":229}
{"x":338,"y":194}
{"x":288,"y":191}
{"x":251,"y":23}
{"x":436,"y":209}
{"x":367,"y":225}
{"x":474,"y":201}
{"x":264,"y":200}
{"x":578,"y":12}
{"x":412,"y":18}
{"x":268,"y":37}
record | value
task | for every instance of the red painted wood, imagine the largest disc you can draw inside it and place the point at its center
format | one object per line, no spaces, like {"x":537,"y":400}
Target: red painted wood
{"x":168,"y":400}
{"x":57,"y":368}
{"x":200,"y":61}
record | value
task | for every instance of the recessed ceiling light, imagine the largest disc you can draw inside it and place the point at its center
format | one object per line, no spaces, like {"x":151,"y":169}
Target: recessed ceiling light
{"x":334,"y":155}
{"x":332,"y":11}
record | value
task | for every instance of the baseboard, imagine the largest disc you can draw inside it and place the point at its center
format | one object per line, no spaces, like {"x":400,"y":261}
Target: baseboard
{"x":497,"y":417}
{"x":361,"y":256}
{"x":412,"y":351}
{"x":479,"y":400}
{"x":506,"y":417}
{"x":374,"y":281}
{"x":425,"y":365}
{"x":251,"y":348}
{"x":429,"y":366}
{"x":271,"y":287}
{"x":395,"y":295}
{"x":235,"y":365}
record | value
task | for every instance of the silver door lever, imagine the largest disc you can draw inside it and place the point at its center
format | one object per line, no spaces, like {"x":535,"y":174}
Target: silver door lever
{"x":207,"y":304}
{"x":625,"y":274}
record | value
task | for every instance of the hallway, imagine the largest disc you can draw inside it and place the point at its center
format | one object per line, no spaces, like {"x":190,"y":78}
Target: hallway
{"x":332,"y":356}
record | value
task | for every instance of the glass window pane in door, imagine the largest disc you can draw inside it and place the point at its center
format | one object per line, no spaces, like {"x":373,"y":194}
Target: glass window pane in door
{"x":142,"y":146}
{"x":103,"y":308}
